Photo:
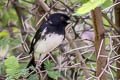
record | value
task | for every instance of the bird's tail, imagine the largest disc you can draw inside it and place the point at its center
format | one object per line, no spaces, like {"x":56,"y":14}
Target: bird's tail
{"x":32,"y":62}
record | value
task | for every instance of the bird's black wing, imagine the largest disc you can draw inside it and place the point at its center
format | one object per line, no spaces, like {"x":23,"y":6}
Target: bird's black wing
{"x":34,"y":41}
{"x":36,"y":38}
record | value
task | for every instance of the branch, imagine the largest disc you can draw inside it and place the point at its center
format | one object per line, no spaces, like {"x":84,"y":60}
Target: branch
{"x":78,"y":56}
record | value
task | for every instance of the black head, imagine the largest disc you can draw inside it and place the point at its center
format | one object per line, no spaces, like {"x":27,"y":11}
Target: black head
{"x":58,"y":18}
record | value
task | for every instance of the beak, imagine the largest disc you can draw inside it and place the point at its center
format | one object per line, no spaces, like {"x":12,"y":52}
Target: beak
{"x":69,"y":21}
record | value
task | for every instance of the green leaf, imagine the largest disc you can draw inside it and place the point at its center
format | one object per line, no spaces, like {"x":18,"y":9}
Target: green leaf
{"x":32,"y":68}
{"x":11,"y":62}
{"x":3,"y":34}
{"x":83,"y":1}
{"x":9,"y":15}
{"x":14,"y":42}
{"x":9,"y":78}
{"x":106,"y":23}
{"x":2,"y":68}
{"x":5,"y":19}
{"x":107,"y":41}
{"x":1,"y":6}
{"x":49,"y":65}
{"x":48,"y":2}
{"x":87,"y":7}
{"x":34,"y":77}
{"x":15,"y":29}
{"x":4,"y":41}
{"x":53,"y":74}
{"x":24,"y":72}
{"x":12,"y":67}
{"x":107,"y":3}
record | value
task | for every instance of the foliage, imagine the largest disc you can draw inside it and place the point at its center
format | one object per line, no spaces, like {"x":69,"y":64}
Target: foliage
{"x":90,"y":5}
{"x":49,"y":65}
{"x":6,"y":41}
{"x":2,"y":34}
{"x":107,"y":3}
{"x":9,"y":15}
{"x":83,"y":1}
{"x":2,"y":68}
{"x":106,"y":22}
{"x":51,"y":73}
{"x":15,"y":70}
{"x":12,"y":67}
{"x":34,"y":77}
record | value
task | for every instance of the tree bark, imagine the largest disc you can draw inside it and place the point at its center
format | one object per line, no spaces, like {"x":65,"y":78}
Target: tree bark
{"x":99,"y":43}
{"x":117,"y":22}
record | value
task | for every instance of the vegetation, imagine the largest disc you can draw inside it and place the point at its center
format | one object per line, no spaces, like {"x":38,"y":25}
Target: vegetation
{"x":90,"y":50}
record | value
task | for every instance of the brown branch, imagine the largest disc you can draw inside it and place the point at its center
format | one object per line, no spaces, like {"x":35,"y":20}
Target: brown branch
{"x":2,"y":77}
{"x":44,"y":6}
{"x":21,"y":16}
{"x":117,"y":22}
{"x":99,"y":43}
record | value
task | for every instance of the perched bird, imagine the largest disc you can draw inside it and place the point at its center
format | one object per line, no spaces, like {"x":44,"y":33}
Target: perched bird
{"x":49,"y":35}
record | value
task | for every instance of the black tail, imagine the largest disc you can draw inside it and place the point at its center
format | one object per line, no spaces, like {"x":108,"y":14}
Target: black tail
{"x":32,"y":62}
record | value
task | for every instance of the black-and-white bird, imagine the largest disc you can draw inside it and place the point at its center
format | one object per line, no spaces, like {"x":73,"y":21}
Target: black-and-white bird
{"x":49,"y":35}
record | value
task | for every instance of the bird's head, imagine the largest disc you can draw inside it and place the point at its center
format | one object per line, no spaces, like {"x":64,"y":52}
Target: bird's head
{"x":58,"y":19}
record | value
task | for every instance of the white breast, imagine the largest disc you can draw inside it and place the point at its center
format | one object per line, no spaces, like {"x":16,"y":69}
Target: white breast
{"x":48,"y":44}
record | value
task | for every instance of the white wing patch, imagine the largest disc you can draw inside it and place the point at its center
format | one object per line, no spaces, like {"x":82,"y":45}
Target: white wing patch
{"x":50,"y":42}
{"x":44,"y":31}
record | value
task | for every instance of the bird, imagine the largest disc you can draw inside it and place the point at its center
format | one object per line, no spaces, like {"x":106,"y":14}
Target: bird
{"x":49,"y":36}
